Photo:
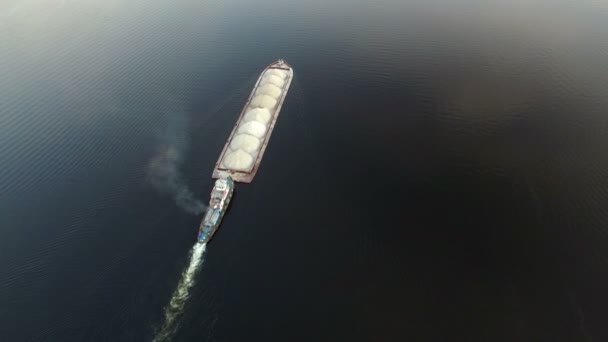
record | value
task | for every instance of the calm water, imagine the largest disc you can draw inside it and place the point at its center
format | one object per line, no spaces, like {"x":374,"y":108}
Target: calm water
{"x":438,"y":173}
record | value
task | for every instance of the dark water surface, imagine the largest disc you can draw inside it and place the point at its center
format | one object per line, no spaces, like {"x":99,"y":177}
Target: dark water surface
{"x":439,"y":170}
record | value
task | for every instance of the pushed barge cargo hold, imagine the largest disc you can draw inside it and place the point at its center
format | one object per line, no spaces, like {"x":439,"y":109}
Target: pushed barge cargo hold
{"x":242,"y":154}
{"x":218,"y":204}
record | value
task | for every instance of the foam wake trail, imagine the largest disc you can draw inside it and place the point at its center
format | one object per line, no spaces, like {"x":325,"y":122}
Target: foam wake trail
{"x":180,"y":296}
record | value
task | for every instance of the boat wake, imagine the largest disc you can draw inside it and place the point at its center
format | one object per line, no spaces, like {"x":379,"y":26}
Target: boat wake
{"x":180,"y":296}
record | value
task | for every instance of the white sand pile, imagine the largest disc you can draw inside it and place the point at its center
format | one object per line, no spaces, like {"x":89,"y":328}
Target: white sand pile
{"x":252,"y":128}
{"x":276,"y":72}
{"x":263,"y":101}
{"x":273,"y":79}
{"x":270,"y":90}
{"x":261,"y":115}
{"x":238,"y":160}
{"x":245,"y":142}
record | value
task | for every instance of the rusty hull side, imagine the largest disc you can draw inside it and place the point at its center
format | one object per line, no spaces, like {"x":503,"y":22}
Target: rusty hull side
{"x":247,"y":176}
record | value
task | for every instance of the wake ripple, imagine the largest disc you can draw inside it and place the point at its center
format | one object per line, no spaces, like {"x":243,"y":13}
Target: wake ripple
{"x":181,"y":294}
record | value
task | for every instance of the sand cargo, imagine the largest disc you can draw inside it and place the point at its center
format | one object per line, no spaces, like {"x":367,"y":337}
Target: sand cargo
{"x":242,"y":154}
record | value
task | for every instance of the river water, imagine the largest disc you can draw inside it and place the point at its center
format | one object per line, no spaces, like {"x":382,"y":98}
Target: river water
{"x":438,"y":171}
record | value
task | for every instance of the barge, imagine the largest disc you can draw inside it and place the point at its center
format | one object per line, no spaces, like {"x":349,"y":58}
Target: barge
{"x":241,"y":157}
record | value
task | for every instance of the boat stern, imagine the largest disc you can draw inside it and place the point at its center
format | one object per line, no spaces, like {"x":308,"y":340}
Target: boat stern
{"x":203,"y":237}
{"x":205,"y":233}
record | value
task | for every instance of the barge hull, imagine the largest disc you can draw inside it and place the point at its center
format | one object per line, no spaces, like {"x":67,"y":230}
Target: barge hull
{"x":247,"y":176}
